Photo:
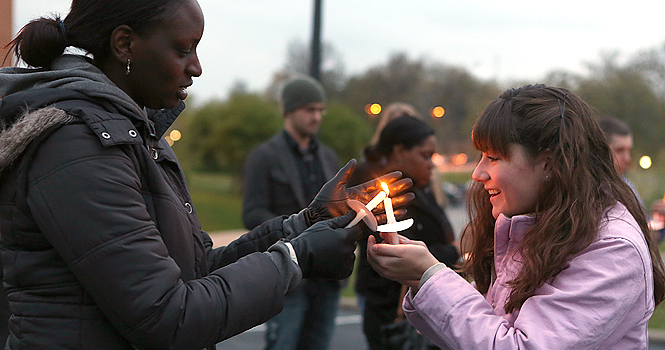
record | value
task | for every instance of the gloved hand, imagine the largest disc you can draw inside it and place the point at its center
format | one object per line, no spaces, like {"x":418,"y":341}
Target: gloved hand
{"x":331,"y":200}
{"x":326,"y":250}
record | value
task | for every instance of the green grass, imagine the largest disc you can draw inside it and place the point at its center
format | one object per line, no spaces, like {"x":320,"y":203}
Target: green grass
{"x":217,"y":199}
{"x":657,"y":321}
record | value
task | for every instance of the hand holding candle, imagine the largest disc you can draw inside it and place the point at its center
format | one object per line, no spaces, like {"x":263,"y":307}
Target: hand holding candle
{"x":365,"y":211}
{"x":392,"y":225}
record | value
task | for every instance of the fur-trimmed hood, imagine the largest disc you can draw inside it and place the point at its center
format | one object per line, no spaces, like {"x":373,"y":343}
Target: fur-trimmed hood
{"x":29,"y":97}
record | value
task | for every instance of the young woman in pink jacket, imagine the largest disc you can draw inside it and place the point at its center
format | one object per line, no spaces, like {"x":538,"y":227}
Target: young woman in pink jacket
{"x":559,"y":250}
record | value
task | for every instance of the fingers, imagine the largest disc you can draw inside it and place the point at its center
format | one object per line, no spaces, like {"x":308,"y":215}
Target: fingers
{"x":344,"y":174}
{"x":402,"y":200}
{"x":390,"y":177}
{"x":382,"y":250}
{"x":355,"y":234}
{"x":375,"y":185}
{"x":400,"y":185}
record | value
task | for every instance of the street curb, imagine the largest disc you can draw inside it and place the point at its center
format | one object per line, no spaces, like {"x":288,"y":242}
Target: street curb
{"x":348,"y":303}
{"x":657,"y":336}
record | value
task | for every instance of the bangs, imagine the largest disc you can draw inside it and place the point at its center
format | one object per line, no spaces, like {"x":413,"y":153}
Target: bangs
{"x":493,"y":132}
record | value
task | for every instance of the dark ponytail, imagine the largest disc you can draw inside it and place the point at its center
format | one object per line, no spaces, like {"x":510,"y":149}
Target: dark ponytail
{"x":88,"y":26}
{"x":40,"y":41}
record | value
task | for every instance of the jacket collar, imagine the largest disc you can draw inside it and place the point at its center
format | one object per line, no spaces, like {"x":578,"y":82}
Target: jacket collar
{"x":509,"y":232}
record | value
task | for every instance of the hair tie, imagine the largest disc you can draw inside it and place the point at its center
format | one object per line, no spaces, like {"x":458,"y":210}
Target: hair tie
{"x":63,"y":34}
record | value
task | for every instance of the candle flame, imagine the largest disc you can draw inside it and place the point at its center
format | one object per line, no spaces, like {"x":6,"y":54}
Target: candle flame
{"x":385,"y":188}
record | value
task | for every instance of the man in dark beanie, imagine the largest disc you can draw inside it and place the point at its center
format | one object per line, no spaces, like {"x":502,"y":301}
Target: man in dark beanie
{"x":281,"y":177}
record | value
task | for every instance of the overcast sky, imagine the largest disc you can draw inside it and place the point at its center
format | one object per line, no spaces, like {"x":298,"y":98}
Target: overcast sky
{"x":246,"y":40}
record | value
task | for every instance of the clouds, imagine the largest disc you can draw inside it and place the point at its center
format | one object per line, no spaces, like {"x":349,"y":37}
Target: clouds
{"x":513,"y":39}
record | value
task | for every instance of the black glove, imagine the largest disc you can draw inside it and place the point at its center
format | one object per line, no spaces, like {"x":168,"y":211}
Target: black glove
{"x":331,"y":200}
{"x":326,"y":250}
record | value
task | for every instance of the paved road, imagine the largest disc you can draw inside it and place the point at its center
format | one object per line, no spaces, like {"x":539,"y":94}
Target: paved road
{"x":348,"y":336}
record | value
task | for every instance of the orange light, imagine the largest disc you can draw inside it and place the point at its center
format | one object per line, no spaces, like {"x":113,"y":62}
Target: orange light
{"x":437,"y":112}
{"x":175,"y":135}
{"x":385,"y":188}
{"x":460,"y":159}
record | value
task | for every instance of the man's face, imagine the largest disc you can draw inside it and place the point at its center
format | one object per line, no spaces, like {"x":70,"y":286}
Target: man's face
{"x":306,"y":119}
{"x":621,"y":146}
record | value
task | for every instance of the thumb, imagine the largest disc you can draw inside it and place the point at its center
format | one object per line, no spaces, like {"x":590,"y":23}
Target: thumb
{"x":344,"y":174}
{"x":343,"y":220}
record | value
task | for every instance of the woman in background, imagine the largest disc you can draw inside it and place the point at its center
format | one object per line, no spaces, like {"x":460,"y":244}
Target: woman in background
{"x":406,"y":144}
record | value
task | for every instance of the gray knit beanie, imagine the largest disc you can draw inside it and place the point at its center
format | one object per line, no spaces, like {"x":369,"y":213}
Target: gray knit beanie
{"x":301,"y":91}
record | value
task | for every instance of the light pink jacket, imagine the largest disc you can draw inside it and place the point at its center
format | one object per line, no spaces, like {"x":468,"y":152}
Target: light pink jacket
{"x":602,"y":300}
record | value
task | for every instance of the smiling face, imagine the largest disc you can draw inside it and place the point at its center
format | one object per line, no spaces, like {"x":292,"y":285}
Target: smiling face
{"x":512,"y":182}
{"x":164,"y":60}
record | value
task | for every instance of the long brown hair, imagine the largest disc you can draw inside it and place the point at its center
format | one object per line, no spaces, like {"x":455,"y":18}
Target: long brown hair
{"x":582,"y":185}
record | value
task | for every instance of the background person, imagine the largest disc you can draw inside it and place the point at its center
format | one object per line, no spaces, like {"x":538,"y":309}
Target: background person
{"x":557,"y":262}
{"x":100,"y":243}
{"x":396,"y":110}
{"x":620,"y":140}
{"x":406,"y":144}
{"x":282,"y":175}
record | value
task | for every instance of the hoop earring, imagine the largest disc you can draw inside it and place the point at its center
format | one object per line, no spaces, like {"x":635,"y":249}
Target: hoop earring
{"x":129,"y":69}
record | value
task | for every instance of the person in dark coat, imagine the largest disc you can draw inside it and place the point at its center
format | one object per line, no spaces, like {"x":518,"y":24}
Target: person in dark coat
{"x":282,"y":175}
{"x":406,"y":144}
{"x":101,"y":246}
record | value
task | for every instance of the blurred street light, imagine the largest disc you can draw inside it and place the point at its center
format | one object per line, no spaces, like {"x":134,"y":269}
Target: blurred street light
{"x":645,"y":162}
{"x":373,"y":109}
{"x":175,"y":135}
{"x":437,"y":112}
{"x":460,"y":159}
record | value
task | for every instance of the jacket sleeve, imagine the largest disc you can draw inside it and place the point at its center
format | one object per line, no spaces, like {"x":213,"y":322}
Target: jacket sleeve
{"x":256,"y":192}
{"x":258,"y":239}
{"x":92,"y":211}
{"x":585,"y":303}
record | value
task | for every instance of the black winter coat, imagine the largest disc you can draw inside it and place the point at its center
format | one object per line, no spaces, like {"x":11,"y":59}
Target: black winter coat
{"x":101,"y":246}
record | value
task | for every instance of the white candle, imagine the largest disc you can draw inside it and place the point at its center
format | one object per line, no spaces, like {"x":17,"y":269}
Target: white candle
{"x":388,"y":204}
{"x":371,"y":205}
{"x":376,"y":200}
{"x":390,"y":214}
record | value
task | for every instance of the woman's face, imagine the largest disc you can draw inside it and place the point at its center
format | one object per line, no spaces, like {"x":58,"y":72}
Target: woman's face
{"x":511,"y":184}
{"x":416,"y":162}
{"x":165,"y":59}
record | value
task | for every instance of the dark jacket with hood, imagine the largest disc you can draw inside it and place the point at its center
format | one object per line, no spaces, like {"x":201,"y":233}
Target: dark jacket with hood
{"x":101,"y":245}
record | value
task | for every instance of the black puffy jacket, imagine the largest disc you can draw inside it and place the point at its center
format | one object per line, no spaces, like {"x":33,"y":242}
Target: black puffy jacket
{"x":101,"y":246}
